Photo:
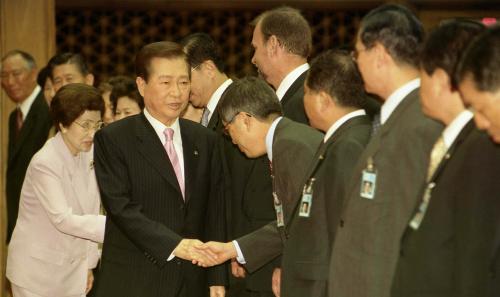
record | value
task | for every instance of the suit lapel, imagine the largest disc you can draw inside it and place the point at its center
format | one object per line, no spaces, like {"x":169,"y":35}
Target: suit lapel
{"x":297,"y":84}
{"x":190,"y":153}
{"x":28,"y":125}
{"x":151,"y":148}
{"x":214,"y":120}
{"x":468,"y":128}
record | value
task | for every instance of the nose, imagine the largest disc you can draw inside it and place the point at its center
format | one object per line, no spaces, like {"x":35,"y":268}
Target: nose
{"x":176,"y":90}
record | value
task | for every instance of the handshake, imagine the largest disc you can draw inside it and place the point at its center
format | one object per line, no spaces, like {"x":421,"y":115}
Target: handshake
{"x":205,"y":254}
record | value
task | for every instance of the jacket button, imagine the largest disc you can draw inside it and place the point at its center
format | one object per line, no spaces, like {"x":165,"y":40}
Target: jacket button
{"x":341,"y":223}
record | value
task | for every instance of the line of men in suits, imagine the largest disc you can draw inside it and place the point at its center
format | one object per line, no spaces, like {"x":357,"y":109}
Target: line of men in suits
{"x":417,"y":211}
{"x":404,"y":206}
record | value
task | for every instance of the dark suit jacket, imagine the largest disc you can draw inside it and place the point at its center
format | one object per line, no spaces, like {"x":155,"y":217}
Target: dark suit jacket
{"x":294,"y":146}
{"x":293,"y":101}
{"x":450,"y":254}
{"x":366,"y":245}
{"x":146,"y":214}
{"x":33,"y":135}
{"x":306,"y":255}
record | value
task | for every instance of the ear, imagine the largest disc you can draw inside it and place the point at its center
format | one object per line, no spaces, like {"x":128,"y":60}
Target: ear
{"x":62,"y":129}
{"x":141,"y":83}
{"x":272,"y":45}
{"x":209,"y":68}
{"x":381,"y":55}
{"x":325,"y":101}
{"x":89,"y":79}
{"x":443,"y":81}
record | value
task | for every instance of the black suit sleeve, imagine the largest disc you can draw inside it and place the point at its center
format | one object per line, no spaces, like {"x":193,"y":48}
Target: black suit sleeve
{"x":154,"y":239}
{"x":216,"y":217}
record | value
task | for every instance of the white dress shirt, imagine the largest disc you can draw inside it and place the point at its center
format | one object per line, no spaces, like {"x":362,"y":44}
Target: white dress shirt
{"x":291,"y":77}
{"x":215,"y":98}
{"x":396,"y":97}
{"x":342,"y":120}
{"x":451,"y":131}
{"x":160,"y":128}
{"x":26,"y":104}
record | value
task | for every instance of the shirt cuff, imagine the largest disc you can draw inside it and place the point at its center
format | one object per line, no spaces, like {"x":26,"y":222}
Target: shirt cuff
{"x":240,"y":257}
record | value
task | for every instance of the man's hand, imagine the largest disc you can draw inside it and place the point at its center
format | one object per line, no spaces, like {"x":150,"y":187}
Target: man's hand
{"x":188,"y":249}
{"x":237,"y":269}
{"x":90,"y":281}
{"x":276,"y":283}
{"x":217,"y":291}
{"x":219,"y":250}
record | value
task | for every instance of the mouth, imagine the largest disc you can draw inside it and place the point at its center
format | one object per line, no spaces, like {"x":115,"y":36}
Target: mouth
{"x":175,"y":106}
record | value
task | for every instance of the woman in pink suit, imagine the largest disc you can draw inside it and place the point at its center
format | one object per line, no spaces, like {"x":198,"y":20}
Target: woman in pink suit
{"x":54,"y":245}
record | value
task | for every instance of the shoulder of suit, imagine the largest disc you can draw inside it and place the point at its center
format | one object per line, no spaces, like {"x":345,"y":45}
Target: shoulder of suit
{"x":197,"y":128}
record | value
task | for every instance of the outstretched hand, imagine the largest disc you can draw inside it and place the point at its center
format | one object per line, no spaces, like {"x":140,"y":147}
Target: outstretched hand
{"x":218,"y":251}
{"x":189,"y":249}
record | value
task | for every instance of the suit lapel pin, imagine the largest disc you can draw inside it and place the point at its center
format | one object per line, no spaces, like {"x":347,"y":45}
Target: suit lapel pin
{"x":195,"y":152}
{"x":92,"y":165}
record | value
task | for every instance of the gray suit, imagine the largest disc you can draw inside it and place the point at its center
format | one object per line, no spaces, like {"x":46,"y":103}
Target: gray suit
{"x":366,"y":246}
{"x":294,"y":146}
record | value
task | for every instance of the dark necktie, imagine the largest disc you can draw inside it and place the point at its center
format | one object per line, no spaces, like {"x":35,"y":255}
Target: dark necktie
{"x":19,"y":121}
{"x":375,"y":124}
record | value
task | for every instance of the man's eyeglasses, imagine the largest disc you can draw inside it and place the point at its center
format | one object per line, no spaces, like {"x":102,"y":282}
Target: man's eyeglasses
{"x":87,"y":126}
{"x":226,"y":125}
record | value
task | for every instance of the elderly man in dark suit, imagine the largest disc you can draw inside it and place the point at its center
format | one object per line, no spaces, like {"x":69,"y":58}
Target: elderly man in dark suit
{"x":29,"y":124}
{"x":333,"y":98}
{"x":160,"y":184}
{"x":446,"y":248}
{"x":252,"y":116}
{"x":479,"y":77}
{"x":393,"y":165}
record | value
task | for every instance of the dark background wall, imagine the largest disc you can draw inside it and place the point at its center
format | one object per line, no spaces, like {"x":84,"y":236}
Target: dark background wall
{"x":109,"y":33}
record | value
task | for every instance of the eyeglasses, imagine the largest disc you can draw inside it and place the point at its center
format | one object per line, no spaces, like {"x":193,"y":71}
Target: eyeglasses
{"x":196,"y":67}
{"x":226,"y":125}
{"x":87,"y":126}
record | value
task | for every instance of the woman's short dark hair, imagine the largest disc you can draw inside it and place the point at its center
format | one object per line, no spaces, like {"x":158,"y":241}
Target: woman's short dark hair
{"x":72,"y":100}
{"x":126,"y":87}
{"x":43,"y":75}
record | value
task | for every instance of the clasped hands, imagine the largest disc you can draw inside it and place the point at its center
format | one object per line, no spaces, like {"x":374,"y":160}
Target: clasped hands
{"x":205,"y":254}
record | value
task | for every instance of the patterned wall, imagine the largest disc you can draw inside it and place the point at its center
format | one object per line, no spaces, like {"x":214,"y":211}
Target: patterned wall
{"x":109,"y":39}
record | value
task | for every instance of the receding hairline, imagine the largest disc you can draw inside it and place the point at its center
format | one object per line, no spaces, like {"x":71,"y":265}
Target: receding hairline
{"x":29,"y":65}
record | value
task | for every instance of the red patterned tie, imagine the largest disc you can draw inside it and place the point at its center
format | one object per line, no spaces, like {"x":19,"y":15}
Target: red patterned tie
{"x":169,"y":147}
{"x":19,"y":121}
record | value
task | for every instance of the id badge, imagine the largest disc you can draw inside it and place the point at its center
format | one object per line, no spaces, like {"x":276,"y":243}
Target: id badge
{"x":278,"y":207}
{"x":368,"y":181}
{"x":305,"y":205}
{"x":306,"y":201}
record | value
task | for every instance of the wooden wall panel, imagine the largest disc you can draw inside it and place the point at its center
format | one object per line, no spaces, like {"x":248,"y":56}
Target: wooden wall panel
{"x":28,"y":25}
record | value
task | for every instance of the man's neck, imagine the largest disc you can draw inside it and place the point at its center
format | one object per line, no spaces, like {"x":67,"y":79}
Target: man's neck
{"x":288,"y":65}
{"x":397,"y":78}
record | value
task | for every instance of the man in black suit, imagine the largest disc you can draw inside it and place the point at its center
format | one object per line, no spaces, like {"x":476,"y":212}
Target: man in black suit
{"x":446,"y":248}
{"x":160,"y":184}
{"x":282,"y":43}
{"x":208,"y":79}
{"x":247,"y":181}
{"x":251,"y":113}
{"x":333,"y":98}
{"x":29,"y":124}
{"x":479,"y":83}
{"x":385,"y":185}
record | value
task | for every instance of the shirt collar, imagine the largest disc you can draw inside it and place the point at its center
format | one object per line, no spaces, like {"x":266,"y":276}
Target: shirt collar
{"x":214,"y":100}
{"x":451,"y":131}
{"x":396,"y":97}
{"x":159,"y":127}
{"x":291,"y":77}
{"x":342,"y":120}
{"x":269,"y":138}
{"x":26,"y":104}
